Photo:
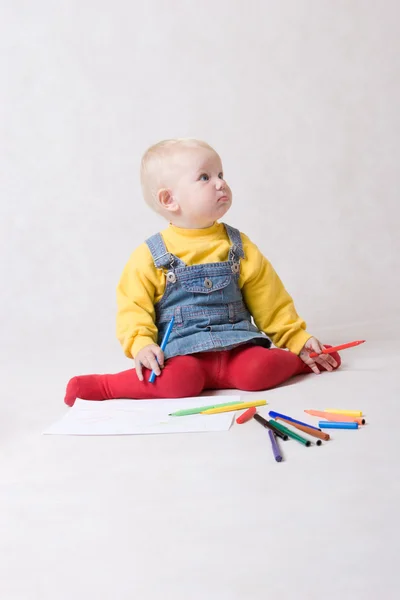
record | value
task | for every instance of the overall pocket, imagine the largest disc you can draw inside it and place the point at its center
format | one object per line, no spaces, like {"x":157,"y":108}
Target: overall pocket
{"x":205,"y":284}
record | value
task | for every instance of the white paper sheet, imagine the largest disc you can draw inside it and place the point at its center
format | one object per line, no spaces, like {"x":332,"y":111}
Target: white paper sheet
{"x":131,"y":417}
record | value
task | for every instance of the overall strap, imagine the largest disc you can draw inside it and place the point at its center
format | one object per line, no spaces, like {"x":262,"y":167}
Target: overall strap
{"x":236,"y":251}
{"x":161,"y":257}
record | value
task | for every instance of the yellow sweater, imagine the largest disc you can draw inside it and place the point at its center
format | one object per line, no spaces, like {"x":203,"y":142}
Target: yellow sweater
{"x":142,"y":285}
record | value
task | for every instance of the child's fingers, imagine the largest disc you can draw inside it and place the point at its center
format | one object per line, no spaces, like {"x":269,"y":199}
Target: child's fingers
{"x":324,"y":361}
{"x":309,"y":362}
{"x":153,"y":364}
{"x":327,"y":361}
{"x":313,"y":366}
{"x":160,"y":356}
{"x":331,"y":360}
{"x":138,"y":367}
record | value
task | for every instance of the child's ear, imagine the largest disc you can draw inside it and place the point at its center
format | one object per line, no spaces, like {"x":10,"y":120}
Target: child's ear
{"x":166,"y":200}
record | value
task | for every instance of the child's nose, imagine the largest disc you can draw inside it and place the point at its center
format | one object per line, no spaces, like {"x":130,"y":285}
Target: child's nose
{"x":220,"y":183}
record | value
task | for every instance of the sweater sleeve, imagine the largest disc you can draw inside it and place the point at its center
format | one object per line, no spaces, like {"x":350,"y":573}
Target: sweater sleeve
{"x":136,"y":291}
{"x":269,"y":303}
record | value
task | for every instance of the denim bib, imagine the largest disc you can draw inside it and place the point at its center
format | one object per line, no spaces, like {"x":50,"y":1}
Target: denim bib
{"x":206,"y":301}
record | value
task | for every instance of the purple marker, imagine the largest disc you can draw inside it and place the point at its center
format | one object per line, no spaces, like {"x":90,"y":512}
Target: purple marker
{"x":275,"y":447}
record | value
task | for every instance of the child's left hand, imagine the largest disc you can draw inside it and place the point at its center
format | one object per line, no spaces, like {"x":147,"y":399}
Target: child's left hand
{"x":325,"y":360}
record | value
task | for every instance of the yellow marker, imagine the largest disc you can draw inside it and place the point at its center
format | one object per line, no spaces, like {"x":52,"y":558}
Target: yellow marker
{"x":350,"y":413}
{"x":214,"y":411}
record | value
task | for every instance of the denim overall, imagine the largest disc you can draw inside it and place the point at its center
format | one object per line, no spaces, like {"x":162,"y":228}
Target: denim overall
{"x":206,"y":301}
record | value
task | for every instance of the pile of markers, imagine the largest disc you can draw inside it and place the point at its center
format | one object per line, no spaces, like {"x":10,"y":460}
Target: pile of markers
{"x":334,"y":419}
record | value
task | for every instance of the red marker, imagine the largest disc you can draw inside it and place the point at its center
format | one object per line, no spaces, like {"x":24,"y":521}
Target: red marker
{"x":337,"y":348}
{"x":247,"y":415}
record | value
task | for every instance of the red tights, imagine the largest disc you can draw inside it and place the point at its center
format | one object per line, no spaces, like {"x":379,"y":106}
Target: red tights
{"x":249,"y":368}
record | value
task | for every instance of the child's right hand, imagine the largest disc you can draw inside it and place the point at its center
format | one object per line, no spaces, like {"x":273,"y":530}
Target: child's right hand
{"x":148,"y":357}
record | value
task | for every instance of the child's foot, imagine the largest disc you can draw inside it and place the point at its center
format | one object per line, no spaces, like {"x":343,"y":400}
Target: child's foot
{"x":108,"y":387}
{"x":72,"y":391}
{"x":87,"y":387}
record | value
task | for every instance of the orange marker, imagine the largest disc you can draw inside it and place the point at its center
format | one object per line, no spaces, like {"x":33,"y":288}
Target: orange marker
{"x":310,"y":430}
{"x":337,"y":418}
{"x":337,"y":348}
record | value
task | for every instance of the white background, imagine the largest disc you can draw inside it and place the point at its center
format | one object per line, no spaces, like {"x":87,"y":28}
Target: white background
{"x":301,"y":99}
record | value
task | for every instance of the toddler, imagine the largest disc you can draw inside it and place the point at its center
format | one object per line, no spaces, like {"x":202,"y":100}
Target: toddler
{"x":227,"y":301}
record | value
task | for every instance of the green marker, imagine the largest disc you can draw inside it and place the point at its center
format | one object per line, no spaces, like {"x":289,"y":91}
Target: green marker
{"x":292,"y":434}
{"x":196,"y":411}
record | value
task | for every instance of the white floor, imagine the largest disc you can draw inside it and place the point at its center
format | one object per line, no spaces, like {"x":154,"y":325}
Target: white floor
{"x":204,"y":516}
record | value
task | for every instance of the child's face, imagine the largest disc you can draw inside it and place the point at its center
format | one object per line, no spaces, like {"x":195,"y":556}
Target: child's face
{"x":199,"y":189}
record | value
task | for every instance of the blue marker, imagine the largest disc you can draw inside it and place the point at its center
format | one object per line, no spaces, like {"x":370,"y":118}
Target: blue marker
{"x":163,"y":344}
{"x":338,"y":425}
{"x":274,"y":414}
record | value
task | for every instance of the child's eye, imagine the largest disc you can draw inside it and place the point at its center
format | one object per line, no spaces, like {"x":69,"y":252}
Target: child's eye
{"x":221,"y":175}
{"x":204,"y":177}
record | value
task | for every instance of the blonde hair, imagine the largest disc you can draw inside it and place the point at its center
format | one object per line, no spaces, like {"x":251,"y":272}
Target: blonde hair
{"x":154,"y":166}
